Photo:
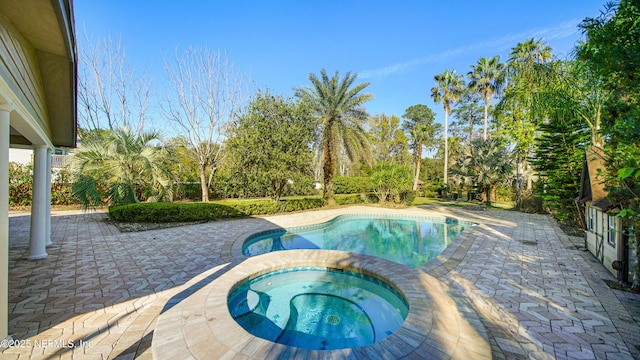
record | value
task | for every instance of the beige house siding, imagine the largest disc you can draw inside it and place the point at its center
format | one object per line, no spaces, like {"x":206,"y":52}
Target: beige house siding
{"x":601,"y":241}
{"x":631,"y":258}
{"x":19,"y":69}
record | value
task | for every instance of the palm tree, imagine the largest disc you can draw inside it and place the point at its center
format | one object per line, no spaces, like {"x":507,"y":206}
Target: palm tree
{"x":531,"y":52}
{"x":486,"y":78}
{"x":120,"y":164}
{"x":448,"y":90}
{"x":422,"y":132}
{"x":525,"y":78}
{"x":338,"y":105}
{"x":487,"y":164}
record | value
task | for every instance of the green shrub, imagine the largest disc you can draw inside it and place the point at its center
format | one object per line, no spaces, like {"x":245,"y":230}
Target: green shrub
{"x":431,"y":189}
{"x":254,"y":207}
{"x":505,"y":194}
{"x":350,"y":199}
{"x":168,"y":212}
{"x":532,"y":204}
{"x":407,"y":197}
{"x":303,"y":204}
{"x":187,"y":191}
{"x":185,"y":212}
{"x":388,"y":179}
{"x":371,"y":198}
{"x":62,"y":194}
{"x":20,"y":183}
{"x":62,"y":188}
{"x":350,"y":184}
{"x":302,"y":186}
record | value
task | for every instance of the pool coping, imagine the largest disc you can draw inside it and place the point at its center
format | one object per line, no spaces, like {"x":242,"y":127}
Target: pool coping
{"x":439,"y":323}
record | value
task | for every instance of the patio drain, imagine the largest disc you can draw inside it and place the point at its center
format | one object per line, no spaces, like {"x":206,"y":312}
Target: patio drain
{"x":529,"y":242}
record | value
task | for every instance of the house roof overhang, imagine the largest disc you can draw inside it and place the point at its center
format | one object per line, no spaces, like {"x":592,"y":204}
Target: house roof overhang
{"x":596,"y":170}
{"x":48,"y":26}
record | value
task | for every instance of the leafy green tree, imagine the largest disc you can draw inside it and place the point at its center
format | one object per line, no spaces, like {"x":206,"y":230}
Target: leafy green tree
{"x":561,"y":138}
{"x":593,"y":96}
{"x":486,"y":163}
{"x":186,"y":169}
{"x":456,"y":146}
{"x":422,"y":131}
{"x":120,"y":166}
{"x":389,"y":142}
{"x":338,"y":105}
{"x":486,"y":78}
{"x":183,"y":167}
{"x":448,"y":89}
{"x":388,"y":179}
{"x":526,"y":75}
{"x":519,"y":119}
{"x":432,"y":170}
{"x":271,"y":142}
{"x":468,"y":113}
{"x":559,"y":154}
{"x":612,"y":52}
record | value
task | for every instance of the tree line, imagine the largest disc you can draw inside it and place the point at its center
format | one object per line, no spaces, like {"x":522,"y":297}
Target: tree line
{"x":523,"y":124}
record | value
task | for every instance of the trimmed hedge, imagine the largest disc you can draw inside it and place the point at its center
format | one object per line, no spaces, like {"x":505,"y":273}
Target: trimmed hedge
{"x":253,"y":207}
{"x":184,"y":212}
{"x":349,"y":199}
{"x":303,"y":204}
{"x":170,"y":212}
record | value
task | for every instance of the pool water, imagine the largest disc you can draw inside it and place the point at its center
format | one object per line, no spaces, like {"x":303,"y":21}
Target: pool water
{"x":317,"y":309}
{"x":411,"y":241}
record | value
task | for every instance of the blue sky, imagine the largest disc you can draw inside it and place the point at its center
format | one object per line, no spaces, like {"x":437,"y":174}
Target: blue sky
{"x":397,"y":46}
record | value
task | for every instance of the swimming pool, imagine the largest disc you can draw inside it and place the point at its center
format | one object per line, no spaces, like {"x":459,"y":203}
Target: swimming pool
{"x":318,"y":308}
{"x":407,"y":240}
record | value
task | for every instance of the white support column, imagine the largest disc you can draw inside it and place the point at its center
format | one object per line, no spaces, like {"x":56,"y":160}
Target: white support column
{"x":47,"y":231}
{"x":4,"y":220}
{"x":38,"y":241}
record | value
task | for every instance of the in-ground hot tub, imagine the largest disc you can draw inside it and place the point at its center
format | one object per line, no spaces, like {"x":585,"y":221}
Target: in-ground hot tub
{"x":197,"y":322}
{"x":318,"y":308}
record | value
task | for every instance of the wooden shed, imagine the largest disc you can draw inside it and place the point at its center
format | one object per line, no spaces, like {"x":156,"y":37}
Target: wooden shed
{"x":603,"y":229}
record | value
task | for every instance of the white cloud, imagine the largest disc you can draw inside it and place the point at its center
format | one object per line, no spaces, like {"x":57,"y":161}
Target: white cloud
{"x":560,"y":31}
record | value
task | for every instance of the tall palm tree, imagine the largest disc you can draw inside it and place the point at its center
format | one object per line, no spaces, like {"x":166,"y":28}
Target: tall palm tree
{"x":338,"y":104}
{"x":531,"y":52}
{"x":448,"y":90}
{"x":119,"y":165}
{"x":525,"y":77}
{"x":486,"y":78}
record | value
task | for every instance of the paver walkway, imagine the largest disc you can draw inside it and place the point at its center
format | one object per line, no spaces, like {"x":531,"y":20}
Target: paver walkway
{"x":99,"y":292}
{"x":542,"y":296}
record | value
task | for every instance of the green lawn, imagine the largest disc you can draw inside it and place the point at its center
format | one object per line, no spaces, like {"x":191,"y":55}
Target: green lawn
{"x":504,"y":205}
{"x":425,"y":201}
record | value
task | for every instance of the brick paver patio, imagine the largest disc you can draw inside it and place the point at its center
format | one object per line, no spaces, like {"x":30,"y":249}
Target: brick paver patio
{"x":100,"y":292}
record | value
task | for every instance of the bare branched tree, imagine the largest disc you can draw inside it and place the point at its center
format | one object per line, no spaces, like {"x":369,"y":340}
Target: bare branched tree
{"x":203,"y":96}
{"x":110,"y":94}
